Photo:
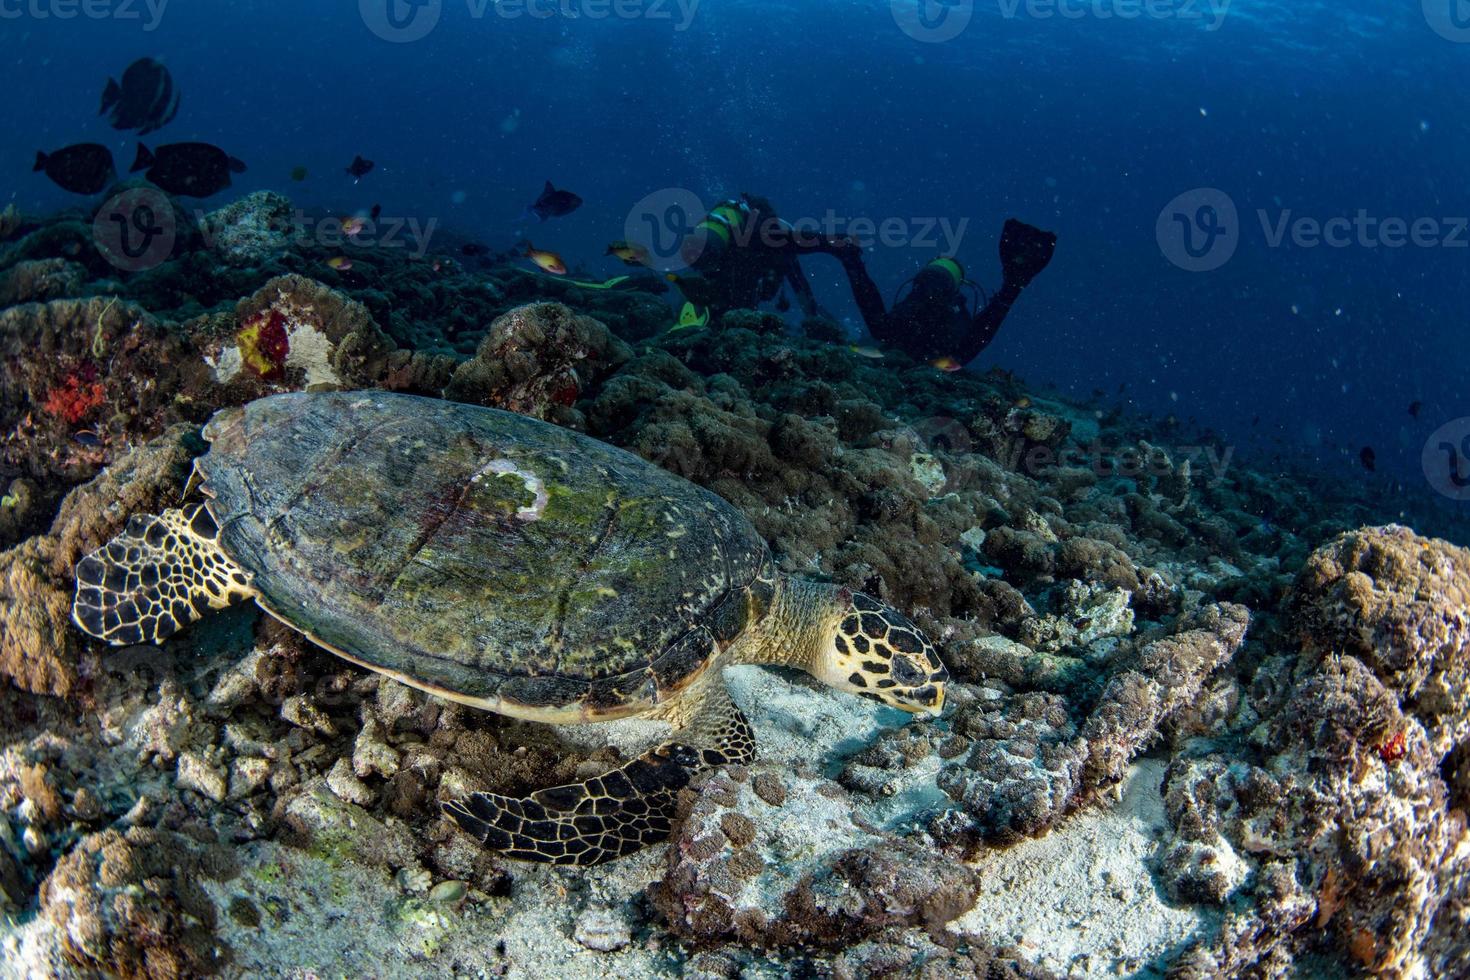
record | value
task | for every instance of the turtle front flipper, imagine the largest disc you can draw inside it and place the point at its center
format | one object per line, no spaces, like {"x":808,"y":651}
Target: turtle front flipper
{"x":619,"y":812}
{"x":160,"y":574}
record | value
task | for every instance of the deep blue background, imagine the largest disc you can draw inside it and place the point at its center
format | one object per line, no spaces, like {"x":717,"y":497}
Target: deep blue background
{"x":1087,"y":126}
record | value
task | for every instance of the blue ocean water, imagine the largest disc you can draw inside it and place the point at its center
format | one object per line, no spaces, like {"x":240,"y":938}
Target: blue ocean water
{"x":1104,"y":122}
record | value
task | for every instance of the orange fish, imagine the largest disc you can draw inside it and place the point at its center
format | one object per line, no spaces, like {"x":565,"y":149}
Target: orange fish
{"x":946,"y":364}
{"x":341,"y":263}
{"x":546,"y":261}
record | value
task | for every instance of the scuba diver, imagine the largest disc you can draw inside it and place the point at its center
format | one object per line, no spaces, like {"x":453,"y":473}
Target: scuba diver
{"x":742,"y":253}
{"x":933,"y":320}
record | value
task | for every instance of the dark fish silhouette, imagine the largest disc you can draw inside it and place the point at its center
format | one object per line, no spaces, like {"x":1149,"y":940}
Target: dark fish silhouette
{"x":360,"y":168}
{"x":1369,"y":459}
{"x":188,"y":169}
{"x":298,"y":174}
{"x":146,"y":100}
{"x":474,"y":248}
{"x":1414,"y":408}
{"x":554,"y":203}
{"x":85,"y":168}
{"x":377,"y":210}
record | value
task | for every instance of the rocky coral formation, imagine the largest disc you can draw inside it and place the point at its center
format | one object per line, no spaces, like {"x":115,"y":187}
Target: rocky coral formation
{"x":131,"y":903}
{"x":1109,"y":605}
{"x":537,"y":360}
{"x":767,"y":858}
{"x":1343,"y":811}
{"x":253,"y":231}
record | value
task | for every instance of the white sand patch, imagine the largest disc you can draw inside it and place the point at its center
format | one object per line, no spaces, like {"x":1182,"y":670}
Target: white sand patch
{"x":1082,"y":901}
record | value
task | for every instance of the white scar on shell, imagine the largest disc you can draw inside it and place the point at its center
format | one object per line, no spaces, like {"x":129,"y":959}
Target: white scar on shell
{"x":498,"y":467}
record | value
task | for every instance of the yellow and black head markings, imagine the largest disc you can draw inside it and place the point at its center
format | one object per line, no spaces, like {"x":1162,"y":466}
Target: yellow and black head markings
{"x":878,"y":654}
{"x":506,"y":564}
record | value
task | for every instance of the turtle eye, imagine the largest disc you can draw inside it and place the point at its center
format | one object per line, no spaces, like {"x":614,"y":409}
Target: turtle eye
{"x":906,"y":671}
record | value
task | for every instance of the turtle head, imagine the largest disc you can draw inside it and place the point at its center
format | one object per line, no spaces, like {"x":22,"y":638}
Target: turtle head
{"x":875,"y":652}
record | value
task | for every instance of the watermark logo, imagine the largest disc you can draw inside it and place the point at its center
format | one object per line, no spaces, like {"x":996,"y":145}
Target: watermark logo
{"x":664,"y":224}
{"x":932,"y":21}
{"x":1214,"y":11}
{"x":135,"y":230}
{"x":1450,"y":19}
{"x":1199,"y":230}
{"x":1446,"y":459}
{"x":148,"y":12}
{"x":401,"y":21}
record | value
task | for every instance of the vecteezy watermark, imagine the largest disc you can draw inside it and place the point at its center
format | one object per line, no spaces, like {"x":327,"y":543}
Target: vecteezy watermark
{"x":301,"y":230}
{"x":1211,"y":12}
{"x":1185,"y":464}
{"x":670,"y":230}
{"x":135,"y":230}
{"x":662,"y":226}
{"x":1200,"y":230}
{"x":148,"y":12}
{"x":1450,"y":19}
{"x":932,"y":21}
{"x":402,"y":21}
{"x":1446,"y":459}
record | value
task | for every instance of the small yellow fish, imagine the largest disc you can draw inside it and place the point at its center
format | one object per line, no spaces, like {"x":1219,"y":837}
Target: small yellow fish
{"x":546,"y":261}
{"x":353,"y":226}
{"x":871,"y":353}
{"x":630,"y":252}
{"x":341,"y":263}
{"x":946,"y":364}
{"x":1023,"y":402}
{"x":690,"y":317}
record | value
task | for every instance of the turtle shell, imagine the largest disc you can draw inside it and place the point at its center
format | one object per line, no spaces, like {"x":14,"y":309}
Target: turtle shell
{"x":486,"y":556}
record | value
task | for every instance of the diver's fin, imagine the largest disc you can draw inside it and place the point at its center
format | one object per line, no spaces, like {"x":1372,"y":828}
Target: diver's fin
{"x":1024,"y":251}
{"x":160,"y":574}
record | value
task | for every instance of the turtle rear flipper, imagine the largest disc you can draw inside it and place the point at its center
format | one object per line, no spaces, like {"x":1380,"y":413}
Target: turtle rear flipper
{"x":619,"y":812}
{"x":160,"y":574}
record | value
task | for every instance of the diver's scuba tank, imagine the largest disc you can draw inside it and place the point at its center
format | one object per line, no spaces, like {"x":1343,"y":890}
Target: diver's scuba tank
{"x":935,"y":292}
{"x":722,"y":229}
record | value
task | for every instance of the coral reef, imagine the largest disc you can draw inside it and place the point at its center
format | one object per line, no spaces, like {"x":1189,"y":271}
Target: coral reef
{"x":537,"y":360}
{"x":255,"y":230}
{"x":766,"y":858}
{"x":1201,"y":714}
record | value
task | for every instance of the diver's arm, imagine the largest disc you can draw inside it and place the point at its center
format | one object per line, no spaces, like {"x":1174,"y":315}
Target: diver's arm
{"x":865,"y":294}
{"x":986,"y":324}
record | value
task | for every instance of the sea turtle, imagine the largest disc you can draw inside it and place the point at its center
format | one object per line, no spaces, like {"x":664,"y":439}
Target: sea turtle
{"x":511,"y":565}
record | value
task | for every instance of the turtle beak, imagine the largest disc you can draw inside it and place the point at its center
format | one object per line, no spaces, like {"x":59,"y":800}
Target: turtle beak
{"x":927,"y":700}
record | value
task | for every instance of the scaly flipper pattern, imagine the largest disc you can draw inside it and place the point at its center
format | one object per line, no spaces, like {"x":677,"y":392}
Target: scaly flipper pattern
{"x":619,"y":812}
{"x":160,"y":574}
